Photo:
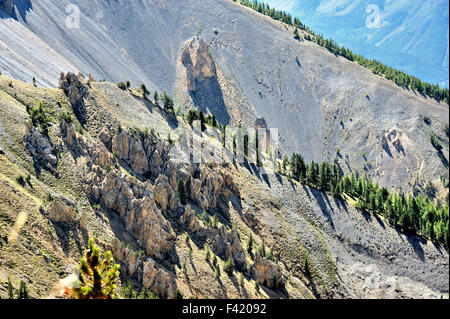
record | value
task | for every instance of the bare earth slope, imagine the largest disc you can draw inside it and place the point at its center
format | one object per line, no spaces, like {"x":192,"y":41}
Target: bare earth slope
{"x":119,"y":188}
{"x":319,"y":102}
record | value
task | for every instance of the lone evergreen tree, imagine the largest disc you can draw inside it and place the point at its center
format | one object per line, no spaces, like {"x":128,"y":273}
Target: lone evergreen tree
{"x":98,"y":276}
{"x":296,"y":35}
{"x":156,"y":97}
{"x":250,"y":243}
{"x":168,"y":103}
{"x":144,"y":91}
{"x":10,"y":289}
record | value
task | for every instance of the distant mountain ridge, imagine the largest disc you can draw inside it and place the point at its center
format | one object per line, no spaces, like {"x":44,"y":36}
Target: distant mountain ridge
{"x":408,"y":35}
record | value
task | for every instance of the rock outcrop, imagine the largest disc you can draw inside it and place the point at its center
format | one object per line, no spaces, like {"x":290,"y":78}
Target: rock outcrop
{"x":72,"y":86}
{"x":134,"y":201}
{"x":266,"y":272}
{"x":126,"y":257}
{"x":199,"y":64}
{"x":225,"y":243}
{"x":41,"y":148}
{"x":75,"y":91}
{"x":153,"y":277}
{"x":158,"y":280}
{"x":200,"y":81}
{"x":164,"y":194}
{"x":61,"y":212}
{"x":188,"y":218}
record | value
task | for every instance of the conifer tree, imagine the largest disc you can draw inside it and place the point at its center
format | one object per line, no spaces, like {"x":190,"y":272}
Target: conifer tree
{"x":23,"y":291}
{"x":144,"y":91}
{"x":98,"y":275}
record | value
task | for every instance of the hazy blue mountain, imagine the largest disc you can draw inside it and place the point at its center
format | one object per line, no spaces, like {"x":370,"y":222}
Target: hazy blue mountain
{"x":409,"y":35}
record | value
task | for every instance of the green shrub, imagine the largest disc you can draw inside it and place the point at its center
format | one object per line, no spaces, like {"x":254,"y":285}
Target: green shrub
{"x":66,"y":117}
{"x":435,"y":142}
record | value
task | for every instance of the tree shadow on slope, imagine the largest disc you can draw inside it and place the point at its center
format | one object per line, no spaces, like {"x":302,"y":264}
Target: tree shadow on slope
{"x":443,"y":158}
{"x":324,"y":203}
{"x":341,"y":204}
{"x":416,"y":243}
{"x":67,"y":232}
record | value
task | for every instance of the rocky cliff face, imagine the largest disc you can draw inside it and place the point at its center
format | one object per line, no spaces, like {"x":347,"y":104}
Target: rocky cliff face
{"x":201,"y":84}
{"x":118,"y":177}
{"x":238,"y":65}
{"x":41,"y":148}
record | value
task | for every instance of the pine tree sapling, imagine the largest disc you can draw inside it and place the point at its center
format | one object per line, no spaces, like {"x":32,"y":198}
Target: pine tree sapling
{"x":250,"y":243}
{"x":23,"y":291}
{"x":98,"y":275}
{"x":10,"y":289}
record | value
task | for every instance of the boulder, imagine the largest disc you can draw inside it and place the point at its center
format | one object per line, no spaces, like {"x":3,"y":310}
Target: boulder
{"x":61,"y":212}
{"x":189,"y":219}
{"x":105,"y":138}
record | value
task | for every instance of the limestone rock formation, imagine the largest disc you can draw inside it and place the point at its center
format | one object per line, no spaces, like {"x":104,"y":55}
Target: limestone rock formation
{"x":225,"y":243}
{"x":125,"y":256}
{"x":199,"y":64}
{"x":73,"y":87}
{"x":158,"y":280}
{"x":135,"y":203}
{"x":190,"y":219}
{"x":40,"y":147}
{"x":71,"y":84}
{"x":164,"y":194}
{"x":61,"y":212}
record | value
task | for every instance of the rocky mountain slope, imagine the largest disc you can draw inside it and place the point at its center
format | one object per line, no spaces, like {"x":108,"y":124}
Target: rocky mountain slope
{"x":94,"y":160}
{"x":319,"y":102}
{"x":115,"y":179}
{"x":408,"y":35}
